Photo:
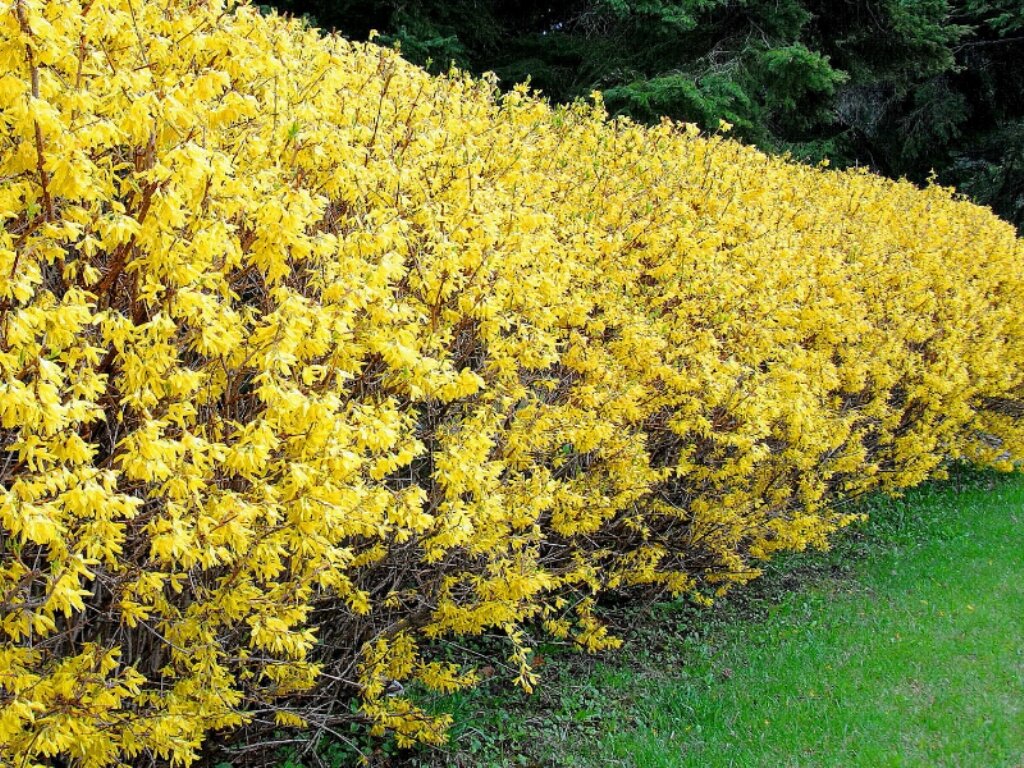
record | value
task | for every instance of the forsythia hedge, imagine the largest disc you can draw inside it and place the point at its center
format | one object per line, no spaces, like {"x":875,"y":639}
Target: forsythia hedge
{"x":309,"y":361}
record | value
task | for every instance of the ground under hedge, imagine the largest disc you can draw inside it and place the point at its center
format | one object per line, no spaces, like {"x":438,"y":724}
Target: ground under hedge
{"x":309,"y":360}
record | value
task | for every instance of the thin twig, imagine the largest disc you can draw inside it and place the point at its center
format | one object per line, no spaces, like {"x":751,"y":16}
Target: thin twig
{"x":44,"y":177}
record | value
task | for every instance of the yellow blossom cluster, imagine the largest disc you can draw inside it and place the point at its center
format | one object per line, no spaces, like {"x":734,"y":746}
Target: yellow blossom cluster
{"x":310,"y":361}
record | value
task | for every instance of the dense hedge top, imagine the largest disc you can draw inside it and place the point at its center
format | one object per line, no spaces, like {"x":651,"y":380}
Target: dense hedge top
{"x":310,"y":361}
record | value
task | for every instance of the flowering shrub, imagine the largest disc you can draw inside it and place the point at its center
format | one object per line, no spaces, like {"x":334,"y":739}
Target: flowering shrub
{"x":309,"y":360}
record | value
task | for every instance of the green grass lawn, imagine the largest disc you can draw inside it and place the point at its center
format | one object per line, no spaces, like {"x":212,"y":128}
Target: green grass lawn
{"x":903,"y":646}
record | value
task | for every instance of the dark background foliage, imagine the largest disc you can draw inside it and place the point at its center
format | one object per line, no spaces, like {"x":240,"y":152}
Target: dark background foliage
{"x":907,"y":87}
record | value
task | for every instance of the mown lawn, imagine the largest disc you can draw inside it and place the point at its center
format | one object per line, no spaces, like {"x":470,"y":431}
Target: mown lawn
{"x":903,"y":646}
